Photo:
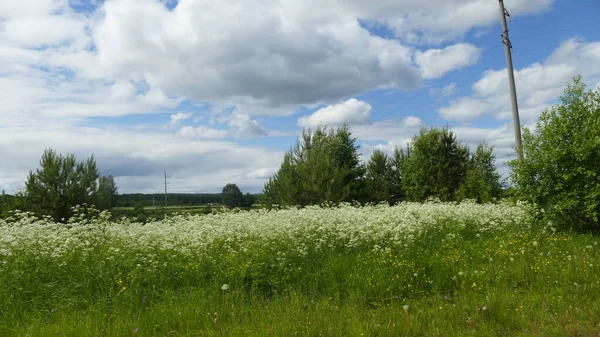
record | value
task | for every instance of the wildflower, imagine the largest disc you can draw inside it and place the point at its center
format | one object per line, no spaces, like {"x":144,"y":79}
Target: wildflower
{"x":405,"y":307}
{"x":535,"y":243}
{"x":460,"y":273}
{"x":225,"y":287}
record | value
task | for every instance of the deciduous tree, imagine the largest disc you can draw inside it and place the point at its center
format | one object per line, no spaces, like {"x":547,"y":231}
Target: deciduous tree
{"x":560,"y":171}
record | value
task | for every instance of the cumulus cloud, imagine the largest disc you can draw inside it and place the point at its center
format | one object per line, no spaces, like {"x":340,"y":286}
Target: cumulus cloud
{"x":202,"y":132}
{"x":394,"y":132}
{"x":538,"y":85}
{"x":435,"y":63}
{"x":266,"y":57}
{"x":138,"y":159}
{"x":180,"y":116}
{"x":243,"y":126}
{"x":436,"y":21}
{"x":351,"y":111}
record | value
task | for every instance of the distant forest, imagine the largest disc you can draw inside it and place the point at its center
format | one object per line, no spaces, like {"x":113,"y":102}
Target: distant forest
{"x":173,"y":199}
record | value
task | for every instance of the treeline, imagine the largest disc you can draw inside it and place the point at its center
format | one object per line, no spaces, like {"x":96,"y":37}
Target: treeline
{"x":324,"y":167}
{"x":173,"y":199}
{"x":186,"y":199}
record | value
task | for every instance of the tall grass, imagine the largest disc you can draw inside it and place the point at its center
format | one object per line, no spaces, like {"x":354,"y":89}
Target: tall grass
{"x":409,"y":270}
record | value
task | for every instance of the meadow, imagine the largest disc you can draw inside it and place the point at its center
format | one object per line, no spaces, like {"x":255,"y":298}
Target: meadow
{"x":433,"y":269}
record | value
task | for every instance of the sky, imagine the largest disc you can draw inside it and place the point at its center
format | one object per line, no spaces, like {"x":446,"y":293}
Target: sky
{"x":215,"y":92}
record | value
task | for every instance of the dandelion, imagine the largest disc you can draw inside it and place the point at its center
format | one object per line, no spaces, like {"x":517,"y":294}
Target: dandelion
{"x":535,"y":243}
{"x":405,"y":307}
{"x":460,"y":273}
{"x":224,"y":287}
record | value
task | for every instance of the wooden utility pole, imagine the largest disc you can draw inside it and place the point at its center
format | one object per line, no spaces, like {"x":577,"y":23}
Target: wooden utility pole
{"x":511,"y":80}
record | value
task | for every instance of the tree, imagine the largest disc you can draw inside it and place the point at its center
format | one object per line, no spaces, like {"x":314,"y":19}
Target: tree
{"x":378,"y":177}
{"x":395,"y":175}
{"x":9,"y":203}
{"x":232,"y":196}
{"x":560,"y":171}
{"x":248,"y":200}
{"x":482,"y":181}
{"x":435,"y":166}
{"x":60,"y":184}
{"x":322,"y":167}
{"x":107,"y":193}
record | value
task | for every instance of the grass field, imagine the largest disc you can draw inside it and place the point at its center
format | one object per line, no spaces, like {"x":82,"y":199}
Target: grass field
{"x":411,"y":270}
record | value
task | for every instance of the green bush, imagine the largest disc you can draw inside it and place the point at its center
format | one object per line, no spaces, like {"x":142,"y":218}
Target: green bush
{"x":560,"y":171}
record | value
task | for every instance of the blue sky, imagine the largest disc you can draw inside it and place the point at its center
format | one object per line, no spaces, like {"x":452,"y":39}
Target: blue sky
{"x":216,"y":92}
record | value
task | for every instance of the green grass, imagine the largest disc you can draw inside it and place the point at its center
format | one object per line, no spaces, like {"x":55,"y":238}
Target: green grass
{"x":326,"y":273}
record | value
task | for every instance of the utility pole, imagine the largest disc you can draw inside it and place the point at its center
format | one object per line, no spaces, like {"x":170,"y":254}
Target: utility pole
{"x":511,"y":80}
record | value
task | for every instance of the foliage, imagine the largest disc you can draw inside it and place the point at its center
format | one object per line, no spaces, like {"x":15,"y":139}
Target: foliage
{"x":407,"y":270}
{"x":139,"y":213}
{"x":10,"y":203}
{"x":60,"y":184}
{"x":322,"y":167}
{"x":378,"y":177}
{"x":249,"y":200}
{"x":482,"y":181}
{"x":232,"y":196}
{"x":179,"y":199}
{"x":396,"y":193}
{"x":108,"y":191}
{"x":435,"y":165}
{"x":560,"y":171}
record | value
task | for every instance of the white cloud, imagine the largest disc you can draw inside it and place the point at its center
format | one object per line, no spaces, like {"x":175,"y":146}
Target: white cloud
{"x":180,"y":116}
{"x":412,"y":121}
{"x":464,"y":109}
{"x":262,"y":58}
{"x":202,"y":132}
{"x":48,"y":30}
{"x":138,"y":159}
{"x":351,"y":111}
{"x":538,"y":85}
{"x":219,"y":53}
{"x":243,"y":126}
{"x":394,"y":132}
{"x":435,"y":21}
{"x":435,"y":63}
{"x":448,"y":90}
